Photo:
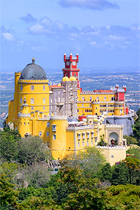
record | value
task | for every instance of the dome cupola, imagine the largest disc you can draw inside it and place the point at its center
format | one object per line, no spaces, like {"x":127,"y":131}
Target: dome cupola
{"x":33,"y":72}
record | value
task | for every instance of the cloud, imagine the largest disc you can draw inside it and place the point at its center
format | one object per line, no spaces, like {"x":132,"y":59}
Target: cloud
{"x":28,"y":18}
{"x":7,"y":34}
{"x":90,"y":4}
{"x":8,"y":37}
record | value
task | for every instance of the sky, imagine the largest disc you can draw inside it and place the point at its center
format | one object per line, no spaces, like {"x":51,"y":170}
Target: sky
{"x":105,"y":33}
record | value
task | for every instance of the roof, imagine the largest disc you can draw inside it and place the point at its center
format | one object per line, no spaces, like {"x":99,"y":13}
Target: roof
{"x":55,"y":86}
{"x":103,"y":91}
{"x":33,"y":71}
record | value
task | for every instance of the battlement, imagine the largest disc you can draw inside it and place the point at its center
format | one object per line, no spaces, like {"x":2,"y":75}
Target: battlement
{"x":37,"y":81}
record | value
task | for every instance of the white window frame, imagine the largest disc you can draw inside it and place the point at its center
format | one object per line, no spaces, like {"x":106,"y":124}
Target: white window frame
{"x":83,"y":144}
{"x":54,"y":137}
{"x":120,"y":110}
{"x":83,"y":98}
{"x":83,"y":136}
{"x":40,"y":133}
{"x":97,"y":98}
{"x":104,"y":98}
{"x":32,"y":87}
{"x":32,"y":100}
{"x":92,"y":135}
{"x":79,"y":136}
{"x":54,"y":128}
{"x":78,"y":144}
{"x":90,"y":98}
{"x":44,"y":100}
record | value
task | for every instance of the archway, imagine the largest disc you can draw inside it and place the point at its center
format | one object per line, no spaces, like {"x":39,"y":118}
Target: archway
{"x":113,"y":138}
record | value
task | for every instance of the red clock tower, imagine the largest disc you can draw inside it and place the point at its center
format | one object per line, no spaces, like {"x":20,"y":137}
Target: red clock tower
{"x":71,"y":69}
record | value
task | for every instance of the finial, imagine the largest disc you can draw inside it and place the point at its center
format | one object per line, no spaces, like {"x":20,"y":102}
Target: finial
{"x":33,"y":60}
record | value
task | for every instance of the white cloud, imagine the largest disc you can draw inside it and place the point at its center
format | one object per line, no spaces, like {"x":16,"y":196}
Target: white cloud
{"x":90,"y":4}
{"x":93,"y":43}
{"x":8,"y":36}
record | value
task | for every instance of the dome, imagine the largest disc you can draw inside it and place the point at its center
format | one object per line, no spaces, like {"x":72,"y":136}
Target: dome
{"x":72,"y":79}
{"x":65,"y":79}
{"x":95,"y":120}
{"x":33,"y":71}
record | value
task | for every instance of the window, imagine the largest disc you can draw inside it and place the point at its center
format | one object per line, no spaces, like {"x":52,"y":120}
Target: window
{"x":79,"y":136}
{"x":78,"y":144}
{"x":48,"y":124}
{"x":90,"y":98}
{"x":40,"y":133}
{"x":82,"y":104}
{"x":104,"y":98}
{"x":97,"y":98}
{"x":83,"y":135}
{"x":74,"y":73}
{"x":112,"y":156}
{"x":87,"y":143}
{"x":92,"y":142}
{"x":32,"y":100}
{"x":95,"y":139}
{"x":87,"y":135}
{"x":24,"y":123}
{"x":21,"y":100}
{"x":43,"y":100}
{"x":54,"y":137}
{"x":77,"y":110}
{"x":32,"y":87}
{"x":82,"y":143}
{"x":83,"y":98}
{"x":32,"y":108}
{"x":47,"y":134}
{"x":92,"y":134}
{"x":120,"y":110}
{"x":43,"y":107}
{"x":21,"y":87}
{"x":53,"y":127}
{"x":21,"y":108}
{"x":43,"y":87}
{"x":66,"y":75}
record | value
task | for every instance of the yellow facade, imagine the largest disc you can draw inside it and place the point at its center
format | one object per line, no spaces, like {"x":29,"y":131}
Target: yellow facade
{"x":29,"y":113}
{"x":92,"y":103}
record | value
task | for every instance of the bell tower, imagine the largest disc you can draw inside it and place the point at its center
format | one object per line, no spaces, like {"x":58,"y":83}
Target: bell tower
{"x":71,"y":69}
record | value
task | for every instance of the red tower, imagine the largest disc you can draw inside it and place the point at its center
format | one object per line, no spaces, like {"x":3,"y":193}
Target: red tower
{"x":71,"y":69}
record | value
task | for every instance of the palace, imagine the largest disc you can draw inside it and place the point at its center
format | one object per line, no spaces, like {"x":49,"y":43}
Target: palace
{"x":52,"y":112}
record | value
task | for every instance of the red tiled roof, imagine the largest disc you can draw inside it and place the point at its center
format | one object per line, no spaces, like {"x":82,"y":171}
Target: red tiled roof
{"x":103,"y":91}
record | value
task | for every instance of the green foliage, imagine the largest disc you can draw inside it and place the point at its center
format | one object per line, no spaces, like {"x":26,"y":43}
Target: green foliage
{"x":32,"y":149}
{"x":120,"y":174}
{"x":90,"y":161}
{"x":8,"y":196}
{"x":101,"y":142}
{"x":130,"y":139}
{"x":8,"y":144}
{"x":134,"y":151}
{"x":136,"y":127}
{"x":105,"y":173}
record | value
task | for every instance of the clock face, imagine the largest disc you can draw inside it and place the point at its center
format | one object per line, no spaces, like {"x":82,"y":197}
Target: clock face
{"x":74,"y":63}
{"x":67,"y":63}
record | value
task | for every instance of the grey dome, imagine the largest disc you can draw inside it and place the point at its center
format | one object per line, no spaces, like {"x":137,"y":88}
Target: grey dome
{"x":33,"y":72}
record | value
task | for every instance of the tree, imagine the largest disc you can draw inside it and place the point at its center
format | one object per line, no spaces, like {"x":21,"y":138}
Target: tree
{"x":136,"y":127}
{"x":135,"y":151}
{"x":120,"y":174}
{"x":105,"y":173}
{"x":133,"y":165}
{"x":90,"y":161}
{"x":101,"y":142}
{"x":8,"y":144}
{"x":32,"y":149}
{"x":130,"y":139}
{"x":8,"y":196}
